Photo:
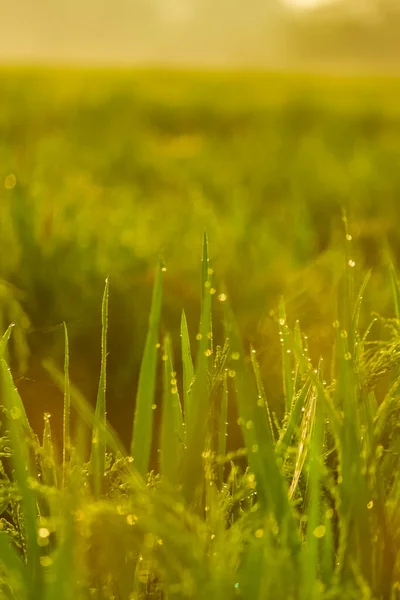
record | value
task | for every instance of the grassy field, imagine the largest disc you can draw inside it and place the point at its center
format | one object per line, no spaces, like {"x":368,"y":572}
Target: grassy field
{"x":274,"y":472}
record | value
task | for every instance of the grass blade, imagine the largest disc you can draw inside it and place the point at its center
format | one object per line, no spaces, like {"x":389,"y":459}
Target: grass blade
{"x":188,"y":369}
{"x":143,"y":421}
{"x":222,"y":430}
{"x":196,"y":430}
{"x":49,"y":473}
{"x":172,"y":432}
{"x":4,"y":341}
{"x":66,"y":409}
{"x":20,"y":437}
{"x":98,"y":451}
{"x":262,"y":399}
{"x":286,"y":357}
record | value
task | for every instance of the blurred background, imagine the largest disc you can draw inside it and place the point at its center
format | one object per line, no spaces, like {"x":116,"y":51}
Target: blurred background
{"x":129,"y":127}
{"x":262,"y":33}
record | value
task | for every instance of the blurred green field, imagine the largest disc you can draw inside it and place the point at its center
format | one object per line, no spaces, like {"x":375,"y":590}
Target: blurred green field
{"x":104,"y":171}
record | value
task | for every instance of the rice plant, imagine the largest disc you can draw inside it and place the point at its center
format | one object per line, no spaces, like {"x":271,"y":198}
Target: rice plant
{"x":306,"y":509}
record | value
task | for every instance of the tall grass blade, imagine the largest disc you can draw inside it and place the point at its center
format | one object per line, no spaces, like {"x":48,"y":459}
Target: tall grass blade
{"x":98,"y":450}
{"x":223,"y":428}
{"x":357,"y":311}
{"x":66,"y":409}
{"x":4,"y":340}
{"x":49,"y":473}
{"x":143,"y":420}
{"x":172,"y":431}
{"x":286,"y":357}
{"x":188,"y":368}
{"x":316,"y":529}
{"x":262,"y":399}
{"x":196,"y":429}
{"x":24,"y":472}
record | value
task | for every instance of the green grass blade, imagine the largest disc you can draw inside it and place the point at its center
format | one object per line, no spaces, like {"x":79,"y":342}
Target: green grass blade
{"x":66,"y":409}
{"x":49,"y":473}
{"x":20,"y":437}
{"x":171,"y":438}
{"x":315,"y":527}
{"x":357,"y":311}
{"x":188,"y":368}
{"x":287,"y":367}
{"x":262,"y":399}
{"x":98,"y":451}
{"x":143,"y":420}
{"x":196,"y":429}
{"x":306,"y":430}
{"x":294,"y":418}
{"x":4,"y":341}
{"x":223,"y":427}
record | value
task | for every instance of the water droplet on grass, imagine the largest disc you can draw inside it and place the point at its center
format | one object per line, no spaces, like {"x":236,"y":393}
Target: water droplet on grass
{"x":319,"y":531}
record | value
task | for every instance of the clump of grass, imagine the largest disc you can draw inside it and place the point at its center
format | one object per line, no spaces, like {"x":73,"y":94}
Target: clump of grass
{"x":313,"y":515}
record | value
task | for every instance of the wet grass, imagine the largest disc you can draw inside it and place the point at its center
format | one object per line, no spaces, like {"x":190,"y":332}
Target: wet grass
{"x":306,"y":508}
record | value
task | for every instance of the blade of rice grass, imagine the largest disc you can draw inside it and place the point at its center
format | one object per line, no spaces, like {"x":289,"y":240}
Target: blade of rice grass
{"x":354,"y":495}
{"x":23,"y":473}
{"x":188,"y":368}
{"x":223,"y":427}
{"x":143,"y":420}
{"x":286,"y":357}
{"x":293,"y":421}
{"x":305,"y":436}
{"x":315,"y":527}
{"x":66,"y":409}
{"x":357,"y":311}
{"x":262,"y":399}
{"x":4,"y":340}
{"x":49,"y":473}
{"x":196,"y":430}
{"x":172,"y":432}
{"x":98,"y":450}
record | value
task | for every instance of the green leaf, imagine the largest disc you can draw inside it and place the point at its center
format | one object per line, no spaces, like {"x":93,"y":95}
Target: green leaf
{"x":188,"y":369}
{"x":24,"y":473}
{"x":262,"y":399}
{"x":66,"y":409}
{"x":196,"y":430}
{"x":49,"y":474}
{"x":172,"y":431}
{"x":286,"y":357}
{"x":4,"y":341}
{"x":223,"y":427}
{"x":143,"y":421}
{"x":98,"y":451}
